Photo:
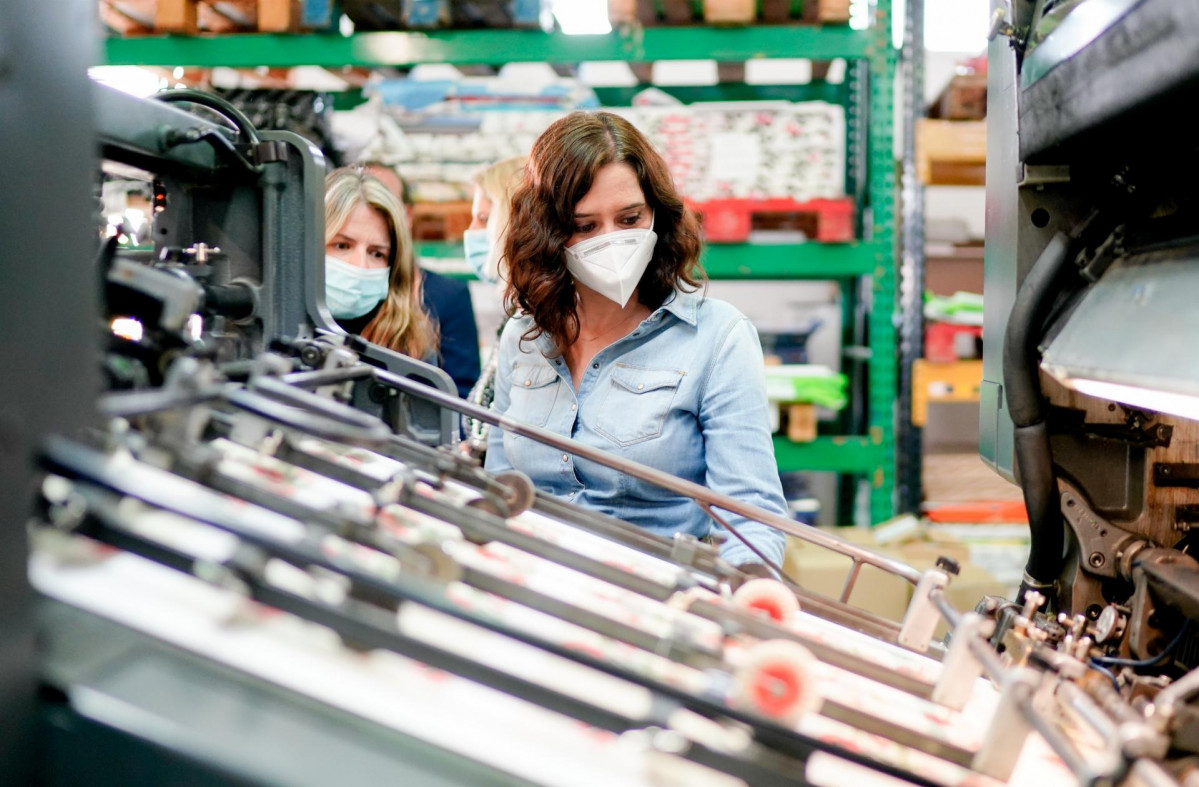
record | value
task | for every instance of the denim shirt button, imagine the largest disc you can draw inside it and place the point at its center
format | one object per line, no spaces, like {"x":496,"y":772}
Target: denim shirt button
{"x":574,"y":407}
{"x":565,"y":458}
{"x":528,"y":383}
{"x":640,"y":386}
{"x":595,"y":366}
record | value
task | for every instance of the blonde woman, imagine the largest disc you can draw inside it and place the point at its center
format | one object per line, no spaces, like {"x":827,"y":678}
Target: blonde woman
{"x":483,"y":243}
{"x":372,"y":285}
{"x":489,"y":213}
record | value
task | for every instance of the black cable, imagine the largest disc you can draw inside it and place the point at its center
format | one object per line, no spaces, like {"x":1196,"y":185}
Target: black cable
{"x":216,"y":104}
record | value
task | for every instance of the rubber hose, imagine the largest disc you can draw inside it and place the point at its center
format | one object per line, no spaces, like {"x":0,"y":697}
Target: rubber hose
{"x":217,"y":104}
{"x":1028,"y":410}
{"x":1041,"y":498}
{"x":1021,"y":369}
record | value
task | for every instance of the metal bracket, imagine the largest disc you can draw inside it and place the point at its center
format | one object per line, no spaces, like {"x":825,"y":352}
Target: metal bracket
{"x":1100,"y":542}
{"x":922,"y":617}
{"x":961,"y":668}
{"x":1176,"y":474}
{"x":1009,"y":728}
{"x":1043,"y":174}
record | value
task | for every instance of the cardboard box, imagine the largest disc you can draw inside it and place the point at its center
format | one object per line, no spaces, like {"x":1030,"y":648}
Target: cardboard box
{"x":823,"y":571}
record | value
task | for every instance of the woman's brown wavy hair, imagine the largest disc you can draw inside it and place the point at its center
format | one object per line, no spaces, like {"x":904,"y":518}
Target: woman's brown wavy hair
{"x":559,"y":173}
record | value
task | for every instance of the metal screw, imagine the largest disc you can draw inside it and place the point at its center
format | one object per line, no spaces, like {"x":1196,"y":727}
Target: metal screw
{"x":1097,"y":559}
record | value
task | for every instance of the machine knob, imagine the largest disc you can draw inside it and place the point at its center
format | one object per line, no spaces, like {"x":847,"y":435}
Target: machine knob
{"x":949,"y":565}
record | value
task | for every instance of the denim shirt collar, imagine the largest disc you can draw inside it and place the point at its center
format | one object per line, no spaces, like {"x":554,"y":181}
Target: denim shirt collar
{"x":683,"y":305}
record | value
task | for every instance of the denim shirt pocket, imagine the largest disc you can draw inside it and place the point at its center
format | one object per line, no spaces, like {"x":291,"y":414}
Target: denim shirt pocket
{"x":533,"y":393}
{"x":634,"y":405}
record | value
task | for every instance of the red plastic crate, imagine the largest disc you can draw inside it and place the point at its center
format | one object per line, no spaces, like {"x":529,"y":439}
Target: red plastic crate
{"x":940,"y":339}
{"x":730,"y":220}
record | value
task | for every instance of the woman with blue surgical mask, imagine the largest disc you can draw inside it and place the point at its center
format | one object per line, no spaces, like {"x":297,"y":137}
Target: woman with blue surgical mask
{"x":482,"y":244}
{"x":371,"y":284}
{"x":489,"y":210}
{"x":612,"y":343}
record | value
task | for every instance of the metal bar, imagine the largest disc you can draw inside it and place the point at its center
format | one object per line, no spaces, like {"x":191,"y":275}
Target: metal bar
{"x":162,"y":489}
{"x":131,"y":404}
{"x":273,"y":388}
{"x":707,"y":509}
{"x":311,"y":422}
{"x":994,"y":669}
{"x":912,"y":263}
{"x":491,"y":47}
{"x":1148,"y":773}
{"x":904,"y":736}
{"x":850,"y":580}
{"x":698,"y":493}
{"x":757,"y":627}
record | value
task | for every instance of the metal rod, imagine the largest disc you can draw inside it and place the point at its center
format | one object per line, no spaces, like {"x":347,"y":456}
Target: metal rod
{"x":850,"y":580}
{"x":707,"y":509}
{"x":161,"y":489}
{"x":130,"y":404}
{"x":994,"y":669}
{"x":307,"y":421}
{"x":322,"y":377}
{"x":698,"y":493}
{"x":947,"y":610}
{"x":1148,"y":773}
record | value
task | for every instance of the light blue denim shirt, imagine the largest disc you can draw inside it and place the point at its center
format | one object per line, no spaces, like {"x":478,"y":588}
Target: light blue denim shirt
{"x":685,"y":393}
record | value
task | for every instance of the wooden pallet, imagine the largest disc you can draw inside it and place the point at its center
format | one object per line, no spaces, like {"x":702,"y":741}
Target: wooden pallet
{"x":951,"y":152}
{"x":189,"y":17}
{"x":727,"y":12}
{"x":731,"y":220}
{"x":444,"y":221}
{"x":963,"y":98}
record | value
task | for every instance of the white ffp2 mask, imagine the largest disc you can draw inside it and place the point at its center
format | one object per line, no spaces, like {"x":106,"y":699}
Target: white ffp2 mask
{"x":612,"y":264}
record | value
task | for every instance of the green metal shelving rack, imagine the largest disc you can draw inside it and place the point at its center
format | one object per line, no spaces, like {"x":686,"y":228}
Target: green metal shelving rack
{"x":870,"y":455}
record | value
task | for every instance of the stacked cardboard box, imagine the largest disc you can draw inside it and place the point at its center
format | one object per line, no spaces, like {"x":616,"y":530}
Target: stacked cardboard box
{"x":990,"y":559}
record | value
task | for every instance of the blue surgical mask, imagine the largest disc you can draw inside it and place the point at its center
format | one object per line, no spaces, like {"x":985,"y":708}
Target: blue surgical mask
{"x":351,"y":291}
{"x":477,"y":244}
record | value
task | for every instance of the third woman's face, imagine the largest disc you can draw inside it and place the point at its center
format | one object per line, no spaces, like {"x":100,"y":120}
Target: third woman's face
{"x":615,"y":202}
{"x":480,"y":210}
{"x":363,"y":241}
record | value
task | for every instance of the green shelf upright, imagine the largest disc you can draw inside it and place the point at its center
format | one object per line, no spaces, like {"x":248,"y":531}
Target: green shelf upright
{"x":868,"y":453}
{"x":882,"y":382}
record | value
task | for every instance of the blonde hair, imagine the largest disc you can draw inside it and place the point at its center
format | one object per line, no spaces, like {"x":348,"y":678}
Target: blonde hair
{"x":401,"y":323}
{"x":499,"y":181}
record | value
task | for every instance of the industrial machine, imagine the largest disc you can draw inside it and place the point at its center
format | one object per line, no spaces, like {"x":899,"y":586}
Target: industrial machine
{"x":1089,"y":392}
{"x":264,"y":561}
{"x":1089,"y":387}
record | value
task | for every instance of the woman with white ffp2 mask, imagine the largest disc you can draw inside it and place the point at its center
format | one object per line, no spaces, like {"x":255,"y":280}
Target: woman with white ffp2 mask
{"x":612,"y":344}
{"x":371,"y":284}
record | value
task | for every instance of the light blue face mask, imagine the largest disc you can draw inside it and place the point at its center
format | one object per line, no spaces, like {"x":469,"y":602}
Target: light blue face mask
{"x":351,"y":291}
{"x":478,"y":253}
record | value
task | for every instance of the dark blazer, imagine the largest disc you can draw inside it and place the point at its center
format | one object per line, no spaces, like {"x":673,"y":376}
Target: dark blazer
{"x":448,"y":302}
